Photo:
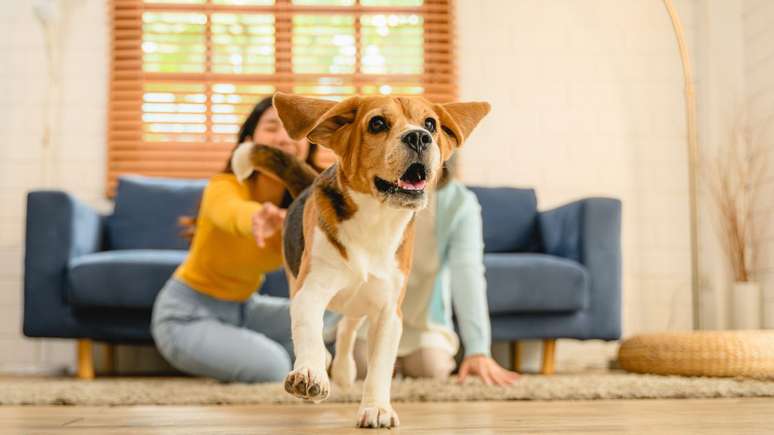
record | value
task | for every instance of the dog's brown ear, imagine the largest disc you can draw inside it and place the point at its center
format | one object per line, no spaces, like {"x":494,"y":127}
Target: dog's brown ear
{"x":299,"y":114}
{"x":459,"y":119}
{"x":321,"y":121}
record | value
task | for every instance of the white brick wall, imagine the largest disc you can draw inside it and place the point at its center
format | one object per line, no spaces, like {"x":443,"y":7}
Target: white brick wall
{"x":588,"y":100}
{"x":758,"y":18}
{"x":76,"y":160}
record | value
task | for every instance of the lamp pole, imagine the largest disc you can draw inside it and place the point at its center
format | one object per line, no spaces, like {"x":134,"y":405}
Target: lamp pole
{"x":693,"y":156}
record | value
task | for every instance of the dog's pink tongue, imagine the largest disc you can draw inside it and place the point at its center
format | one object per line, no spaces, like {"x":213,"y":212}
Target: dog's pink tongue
{"x":419,"y":185}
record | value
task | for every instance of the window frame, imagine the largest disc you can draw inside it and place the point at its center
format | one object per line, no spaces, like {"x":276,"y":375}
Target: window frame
{"x":128,"y":151}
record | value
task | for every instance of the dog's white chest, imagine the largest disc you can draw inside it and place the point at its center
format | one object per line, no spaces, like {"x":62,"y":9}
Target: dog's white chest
{"x":372,"y":237}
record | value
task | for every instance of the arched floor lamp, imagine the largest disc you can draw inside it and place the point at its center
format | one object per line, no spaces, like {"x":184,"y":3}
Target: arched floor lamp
{"x":693,"y":156}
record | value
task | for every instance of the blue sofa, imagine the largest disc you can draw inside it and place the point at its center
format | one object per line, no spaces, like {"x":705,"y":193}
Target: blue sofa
{"x":88,"y":276}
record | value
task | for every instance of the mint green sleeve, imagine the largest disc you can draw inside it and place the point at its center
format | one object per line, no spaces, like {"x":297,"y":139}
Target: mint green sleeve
{"x":468,"y":284}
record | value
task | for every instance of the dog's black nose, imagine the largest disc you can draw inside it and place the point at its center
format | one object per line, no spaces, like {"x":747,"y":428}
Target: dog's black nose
{"x":417,"y":140}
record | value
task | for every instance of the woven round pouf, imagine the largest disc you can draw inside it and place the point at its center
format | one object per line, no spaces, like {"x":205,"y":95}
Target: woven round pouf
{"x":700,"y":353}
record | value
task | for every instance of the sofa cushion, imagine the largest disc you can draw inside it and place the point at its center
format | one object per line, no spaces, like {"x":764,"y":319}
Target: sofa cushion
{"x":528,"y":283}
{"x":509,"y":218}
{"x":275,"y":284}
{"x":125,"y":279}
{"x":147,"y":210}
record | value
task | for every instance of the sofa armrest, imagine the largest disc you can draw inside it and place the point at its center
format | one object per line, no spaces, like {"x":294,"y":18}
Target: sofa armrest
{"x":589,"y":231}
{"x":58,"y":229}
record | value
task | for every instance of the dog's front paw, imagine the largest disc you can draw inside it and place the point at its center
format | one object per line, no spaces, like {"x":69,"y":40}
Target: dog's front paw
{"x":307,"y":383}
{"x":343,"y":371}
{"x":376,"y":416}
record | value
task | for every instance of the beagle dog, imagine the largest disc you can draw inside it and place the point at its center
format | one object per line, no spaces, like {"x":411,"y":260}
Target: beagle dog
{"x":348,"y":235}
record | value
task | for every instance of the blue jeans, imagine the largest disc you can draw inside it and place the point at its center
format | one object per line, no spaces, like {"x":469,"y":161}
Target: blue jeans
{"x":230,"y":341}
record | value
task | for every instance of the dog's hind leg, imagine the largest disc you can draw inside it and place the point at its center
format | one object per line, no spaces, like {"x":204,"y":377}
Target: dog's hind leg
{"x":343,"y":369}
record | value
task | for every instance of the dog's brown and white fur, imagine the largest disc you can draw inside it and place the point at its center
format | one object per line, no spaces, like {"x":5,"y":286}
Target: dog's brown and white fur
{"x":348,"y":237}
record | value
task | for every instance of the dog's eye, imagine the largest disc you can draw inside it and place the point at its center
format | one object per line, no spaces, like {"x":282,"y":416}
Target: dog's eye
{"x":377,"y":124}
{"x":430,"y":125}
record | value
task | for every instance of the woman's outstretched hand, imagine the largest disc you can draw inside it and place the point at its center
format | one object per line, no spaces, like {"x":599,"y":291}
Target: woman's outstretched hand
{"x":487,"y":369}
{"x":266,"y":222}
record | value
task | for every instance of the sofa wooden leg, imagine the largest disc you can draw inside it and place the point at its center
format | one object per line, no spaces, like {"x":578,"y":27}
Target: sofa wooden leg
{"x":85,"y":360}
{"x":516,"y":353}
{"x":109,"y":359}
{"x":549,"y":353}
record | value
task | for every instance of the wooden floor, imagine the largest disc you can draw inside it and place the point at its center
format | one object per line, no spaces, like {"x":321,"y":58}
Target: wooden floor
{"x":719,"y":416}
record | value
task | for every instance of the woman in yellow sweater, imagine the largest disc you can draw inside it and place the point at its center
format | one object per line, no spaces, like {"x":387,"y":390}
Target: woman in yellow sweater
{"x":208,"y":320}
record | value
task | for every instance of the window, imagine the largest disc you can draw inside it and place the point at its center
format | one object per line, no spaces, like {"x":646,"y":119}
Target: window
{"x":185,"y":73}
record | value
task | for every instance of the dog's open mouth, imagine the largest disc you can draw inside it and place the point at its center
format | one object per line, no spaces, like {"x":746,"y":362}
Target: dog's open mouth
{"x":412,"y":182}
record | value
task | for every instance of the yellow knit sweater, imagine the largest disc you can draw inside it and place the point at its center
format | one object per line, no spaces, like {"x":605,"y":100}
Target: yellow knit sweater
{"x":224,"y":261}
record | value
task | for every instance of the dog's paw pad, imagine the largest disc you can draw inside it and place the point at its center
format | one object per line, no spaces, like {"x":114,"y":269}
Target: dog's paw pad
{"x":376,"y":416}
{"x":306,"y":383}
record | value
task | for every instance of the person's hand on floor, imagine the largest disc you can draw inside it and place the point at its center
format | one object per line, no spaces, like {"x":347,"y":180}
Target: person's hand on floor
{"x":266,"y":222}
{"x":487,"y":369}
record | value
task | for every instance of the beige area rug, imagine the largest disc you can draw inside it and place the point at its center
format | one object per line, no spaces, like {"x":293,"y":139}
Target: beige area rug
{"x":192,"y":391}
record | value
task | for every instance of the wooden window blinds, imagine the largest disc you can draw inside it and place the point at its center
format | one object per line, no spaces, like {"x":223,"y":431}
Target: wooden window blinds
{"x":185,"y":73}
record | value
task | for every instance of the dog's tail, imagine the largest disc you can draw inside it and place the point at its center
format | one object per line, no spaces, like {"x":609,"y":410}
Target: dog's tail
{"x":295,"y":174}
